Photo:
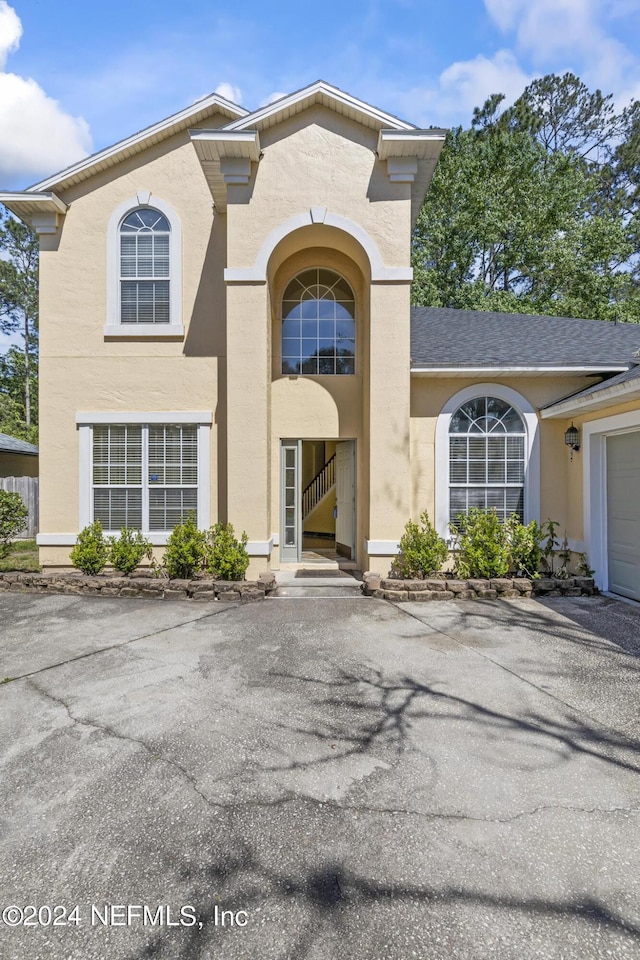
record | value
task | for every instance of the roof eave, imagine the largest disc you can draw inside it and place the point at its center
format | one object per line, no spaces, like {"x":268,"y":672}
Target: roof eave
{"x":604,"y":397}
{"x":497,"y":370}
{"x":268,"y":114}
{"x":42,"y":211}
{"x":137,"y":142}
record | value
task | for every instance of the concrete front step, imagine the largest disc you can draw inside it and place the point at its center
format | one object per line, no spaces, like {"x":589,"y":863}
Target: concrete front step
{"x":316,"y":584}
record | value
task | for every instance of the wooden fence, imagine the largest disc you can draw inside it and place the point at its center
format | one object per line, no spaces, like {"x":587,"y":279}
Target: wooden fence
{"x":27,"y":487}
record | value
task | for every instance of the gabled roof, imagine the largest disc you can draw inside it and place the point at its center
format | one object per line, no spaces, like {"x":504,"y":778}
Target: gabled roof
{"x":411,"y":152}
{"x":463,"y":341}
{"x":13,"y":445}
{"x":198,"y":111}
{"x":323,"y":93}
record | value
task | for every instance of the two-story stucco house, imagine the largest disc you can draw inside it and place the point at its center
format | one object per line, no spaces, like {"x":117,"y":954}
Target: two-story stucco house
{"x":226,"y":328}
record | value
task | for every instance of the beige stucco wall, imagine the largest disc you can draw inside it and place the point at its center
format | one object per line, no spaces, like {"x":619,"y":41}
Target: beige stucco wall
{"x":321,"y":159}
{"x":80,"y":370}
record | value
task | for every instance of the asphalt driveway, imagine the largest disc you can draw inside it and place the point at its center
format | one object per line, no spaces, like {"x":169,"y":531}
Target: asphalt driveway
{"x":344,"y":778}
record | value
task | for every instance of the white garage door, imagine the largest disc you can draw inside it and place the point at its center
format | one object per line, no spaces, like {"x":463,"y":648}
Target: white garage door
{"x":623,"y":513}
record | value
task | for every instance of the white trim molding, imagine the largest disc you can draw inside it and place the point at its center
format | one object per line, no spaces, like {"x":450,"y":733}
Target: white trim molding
{"x":260,"y":548}
{"x":488,"y":371}
{"x":258,"y":272}
{"x":382,"y":548}
{"x":56,"y":539}
{"x":532,"y":452}
{"x":113,"y":326}
{"x":162,"y":416}
{"x":594,"y":487}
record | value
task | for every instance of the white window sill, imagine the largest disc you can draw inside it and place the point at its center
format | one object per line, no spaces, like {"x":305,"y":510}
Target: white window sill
{"x":155,"y":331}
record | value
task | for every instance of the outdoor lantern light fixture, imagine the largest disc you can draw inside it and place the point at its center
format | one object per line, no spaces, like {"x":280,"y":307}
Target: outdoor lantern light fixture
{"x":572,"y":439}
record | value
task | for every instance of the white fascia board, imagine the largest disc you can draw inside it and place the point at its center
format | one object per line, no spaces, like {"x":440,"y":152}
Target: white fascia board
{"x":414,"y":143}
{"x":180,"y":120}
{"x":161,"y":416}
{"x":508,"y":371}
{"x":229,"y":143}
{"x":308,"y":93}
{"x":572,"y":406}
{"x":42,"y":201}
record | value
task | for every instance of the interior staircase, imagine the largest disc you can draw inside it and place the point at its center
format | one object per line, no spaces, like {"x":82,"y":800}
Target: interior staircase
{"x":320,"y":486}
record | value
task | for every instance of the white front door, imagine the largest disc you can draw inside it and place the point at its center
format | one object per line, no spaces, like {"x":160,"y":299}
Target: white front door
{"x":623,"y":513}
{"x":346,"y":498}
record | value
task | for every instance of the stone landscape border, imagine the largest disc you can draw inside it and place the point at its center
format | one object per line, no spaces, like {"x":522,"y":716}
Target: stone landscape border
{"x":139,"y":586}
{"x":387,"y":588}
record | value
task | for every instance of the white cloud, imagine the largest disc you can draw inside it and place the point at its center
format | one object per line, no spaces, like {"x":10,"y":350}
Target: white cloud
{"x":229,"y":92}
{"x":580,"y":32}
{"x":10,"y":32}
{"x":277,"y":95}
{"x":36,"y":136}
{"x":467,"y":83}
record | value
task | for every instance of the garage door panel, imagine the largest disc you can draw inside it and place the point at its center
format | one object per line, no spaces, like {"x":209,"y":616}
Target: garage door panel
{"x":623,"y":513}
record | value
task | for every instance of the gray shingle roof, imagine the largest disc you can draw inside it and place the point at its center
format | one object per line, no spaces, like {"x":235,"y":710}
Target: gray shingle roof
{"x":13,"y":445}
{"x":442,"y":337}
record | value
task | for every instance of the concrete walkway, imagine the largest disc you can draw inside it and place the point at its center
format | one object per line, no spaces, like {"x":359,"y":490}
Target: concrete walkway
{"x":367,"y":782}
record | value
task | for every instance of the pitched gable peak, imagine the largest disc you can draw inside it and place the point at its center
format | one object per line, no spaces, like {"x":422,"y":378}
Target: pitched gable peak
{"x":322,"y":93}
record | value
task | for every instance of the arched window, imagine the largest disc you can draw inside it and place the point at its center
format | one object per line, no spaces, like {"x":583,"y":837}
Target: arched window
{"x":487,"y":444}
{"x":318,"y":324}
{"x":145,"y":268}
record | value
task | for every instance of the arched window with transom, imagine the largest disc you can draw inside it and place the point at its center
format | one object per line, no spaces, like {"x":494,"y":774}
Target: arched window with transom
{"x":318,"y":324}
{"x":487,"y":444}
{"x":145,"y":267}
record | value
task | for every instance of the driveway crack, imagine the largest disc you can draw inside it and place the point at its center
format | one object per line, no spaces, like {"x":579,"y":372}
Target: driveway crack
{"x":111,"y":732}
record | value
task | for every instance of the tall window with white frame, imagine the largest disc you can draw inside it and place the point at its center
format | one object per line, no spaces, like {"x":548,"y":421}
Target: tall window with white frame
{"x":145,"y":268}
{"x":318,"y":324}
{"x":487,"y":442}
{"x":145,"y":477}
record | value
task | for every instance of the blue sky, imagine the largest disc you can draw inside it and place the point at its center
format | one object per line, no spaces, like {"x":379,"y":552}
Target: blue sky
{"x":78,"y":76}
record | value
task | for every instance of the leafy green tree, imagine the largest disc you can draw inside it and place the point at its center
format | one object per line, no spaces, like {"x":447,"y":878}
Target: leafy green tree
{"x":19,"y":304}
{"x":534,"y":209}
{"x":12,"y":395}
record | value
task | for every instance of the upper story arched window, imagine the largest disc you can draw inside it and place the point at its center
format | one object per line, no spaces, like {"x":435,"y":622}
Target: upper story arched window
{"x":318,"y":324}
{"x":487,"y":457}
{"x":145,"y":267}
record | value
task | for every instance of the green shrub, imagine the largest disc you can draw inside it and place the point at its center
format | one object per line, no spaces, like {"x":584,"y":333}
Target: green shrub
{"x":127,"y":550}
{"x":422,"y":550}
{"x":91,"y":551}
{"x":227,"y":558}
{"x":482,"y":543}
{"x":13,"y":519}
{"x":186,"y":548}
{"x":525,"y":552}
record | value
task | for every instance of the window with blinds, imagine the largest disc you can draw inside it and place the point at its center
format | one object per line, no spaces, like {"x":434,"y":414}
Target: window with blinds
{"x":145,"y":477}
{"x":144,"y":267}
{"x":487,"y":442}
